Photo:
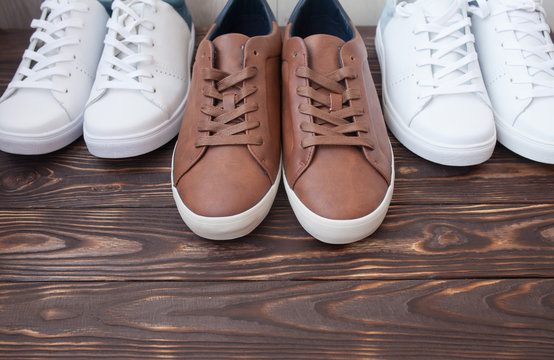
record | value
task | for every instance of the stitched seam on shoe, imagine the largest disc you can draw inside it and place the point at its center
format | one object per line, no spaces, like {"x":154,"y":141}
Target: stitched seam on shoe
{"x":84,"y":71}
{"x":166,"y":72}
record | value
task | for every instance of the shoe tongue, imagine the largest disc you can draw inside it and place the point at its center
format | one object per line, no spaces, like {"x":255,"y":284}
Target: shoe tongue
{"x":435,"y":8}
{"x":526,"y":7}
{"x":229,"y":52}
{"x":58,"y":34}
{"x":323,"y":52}
{"x":138,"y":7}
{"x":127,"y":21}
{"x":324,"y":58}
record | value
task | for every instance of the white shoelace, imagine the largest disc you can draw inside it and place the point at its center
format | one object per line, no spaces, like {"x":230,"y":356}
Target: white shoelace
{"x":451,"y":59}
{"x":40,"y":60}
{"x":120,"y":69}
{"x":528,"y":20}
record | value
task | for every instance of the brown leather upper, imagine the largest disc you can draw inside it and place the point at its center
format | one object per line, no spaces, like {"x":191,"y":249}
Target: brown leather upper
{"x":228,"y":150}
{"x":345,"y":174}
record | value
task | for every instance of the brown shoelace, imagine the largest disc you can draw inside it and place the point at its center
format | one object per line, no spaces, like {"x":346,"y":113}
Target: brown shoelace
{"x":227,"y":124}
{"x":334,"y":123}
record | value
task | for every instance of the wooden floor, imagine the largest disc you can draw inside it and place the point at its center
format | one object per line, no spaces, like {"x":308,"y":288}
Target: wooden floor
{"x":96,"y":263}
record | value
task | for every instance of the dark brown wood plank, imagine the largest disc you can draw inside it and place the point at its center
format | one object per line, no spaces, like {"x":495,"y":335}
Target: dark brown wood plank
{"x":493,"y":319}
{"x":415,"y":242}
{"x":17,"y":14}
{"x":72,"y":177}
{"x":12,"y":45}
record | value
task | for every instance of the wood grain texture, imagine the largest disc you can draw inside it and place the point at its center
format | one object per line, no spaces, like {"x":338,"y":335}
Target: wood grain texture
{"x":493,"y":319}
{"x":17,"y":14}
{"x":72,"y":177}
{"x":415,"y":242}
{"x":462,"y":267}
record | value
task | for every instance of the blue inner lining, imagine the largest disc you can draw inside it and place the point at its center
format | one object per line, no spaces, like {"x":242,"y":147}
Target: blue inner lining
{"x":182,"y":9}
{"x":108,"y":5}
{"x":247,"y":17}
{"x":312,"y":17}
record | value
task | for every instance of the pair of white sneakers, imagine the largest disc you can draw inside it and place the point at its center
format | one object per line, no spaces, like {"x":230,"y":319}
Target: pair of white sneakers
{"x":122,"y":81}
{"x":457,"y":74}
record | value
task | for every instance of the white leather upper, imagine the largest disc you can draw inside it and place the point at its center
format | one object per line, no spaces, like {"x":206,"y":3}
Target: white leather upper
{"x":455,"y":120}
{"x":122,"y":113}
{"x":537,"y":121}
{"x":128,"y":112}
{"x":452,"y":119}
{"x":532,"y":117}
{"x":32,"y":112}
{"x":29,"y":112}
{"x":402,"y":72}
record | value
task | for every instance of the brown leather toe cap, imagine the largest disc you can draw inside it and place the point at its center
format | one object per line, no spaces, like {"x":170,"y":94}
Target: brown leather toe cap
{"x":226,"y":182}
{"x":341,"y":184}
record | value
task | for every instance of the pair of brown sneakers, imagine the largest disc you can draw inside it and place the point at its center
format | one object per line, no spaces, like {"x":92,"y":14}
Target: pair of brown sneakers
{"x":338,"y":164}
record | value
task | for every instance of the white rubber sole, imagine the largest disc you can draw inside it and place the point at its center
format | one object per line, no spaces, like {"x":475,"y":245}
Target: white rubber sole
{"x":524,"y":145}
{"x":229,"y":227}
{"x":43,"y":144}
{"x":339,"y":232}
{"x":140,"y":144}
{"x":443,"y":154}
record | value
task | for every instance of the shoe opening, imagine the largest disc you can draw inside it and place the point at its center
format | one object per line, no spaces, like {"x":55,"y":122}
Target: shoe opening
{"x":311,"y":17}
{"x":247,"y":17}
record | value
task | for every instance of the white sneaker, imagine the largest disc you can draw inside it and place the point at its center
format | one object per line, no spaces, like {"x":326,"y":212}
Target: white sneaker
{"x":138,"y":98}
{"x":434,"y":98}
{"x":517,"y":57}
{"x":42,"y":108}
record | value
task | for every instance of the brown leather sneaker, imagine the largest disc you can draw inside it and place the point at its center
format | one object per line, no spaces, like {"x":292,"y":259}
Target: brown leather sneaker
{"x":226,"y":165}
{"x":339,"y":171}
